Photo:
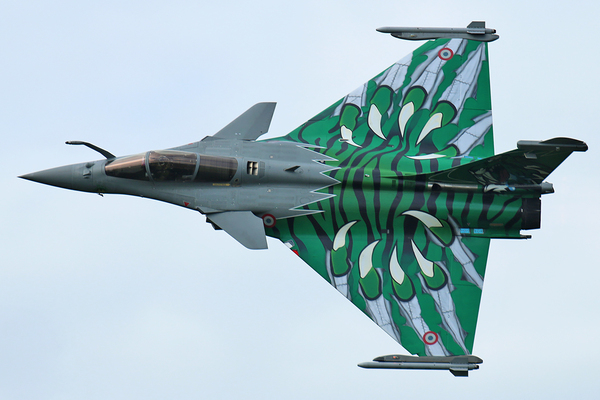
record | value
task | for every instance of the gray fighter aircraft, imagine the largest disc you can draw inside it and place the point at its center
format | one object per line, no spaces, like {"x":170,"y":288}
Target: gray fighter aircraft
{"x":392,"y":194}
{"x":228,"y":176}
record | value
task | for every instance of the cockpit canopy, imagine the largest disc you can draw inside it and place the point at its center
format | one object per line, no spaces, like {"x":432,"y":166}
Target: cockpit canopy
{"x":173,"y":166}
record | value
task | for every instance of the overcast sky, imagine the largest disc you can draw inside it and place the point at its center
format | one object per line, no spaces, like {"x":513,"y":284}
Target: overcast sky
{"x":118,"y":298}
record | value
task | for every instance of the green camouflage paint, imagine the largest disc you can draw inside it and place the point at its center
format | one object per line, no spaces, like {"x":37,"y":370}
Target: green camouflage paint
{"x":410,"y":256}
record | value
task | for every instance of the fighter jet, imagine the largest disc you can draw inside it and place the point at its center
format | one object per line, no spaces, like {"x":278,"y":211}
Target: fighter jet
{"x":392,"y":194}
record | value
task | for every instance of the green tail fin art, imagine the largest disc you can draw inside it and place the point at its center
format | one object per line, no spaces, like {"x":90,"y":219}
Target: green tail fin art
{"x":405,"y":233}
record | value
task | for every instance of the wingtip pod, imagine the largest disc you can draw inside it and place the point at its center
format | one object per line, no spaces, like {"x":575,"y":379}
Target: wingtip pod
{"x":560,"y":143}
{"x":457,"y":365}
{"x":476,"y":30}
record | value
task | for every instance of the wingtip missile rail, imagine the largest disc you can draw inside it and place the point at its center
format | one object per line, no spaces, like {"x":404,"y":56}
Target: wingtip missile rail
{"x":476,"y":30}
{"x":457,"y":365}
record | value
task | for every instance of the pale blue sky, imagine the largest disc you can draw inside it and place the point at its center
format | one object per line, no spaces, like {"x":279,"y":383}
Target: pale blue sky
{"x":123,"y":298}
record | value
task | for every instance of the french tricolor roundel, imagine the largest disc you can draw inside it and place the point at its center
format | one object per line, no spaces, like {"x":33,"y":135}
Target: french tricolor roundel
{"x":269,"y":220}
{"x":445,"y":54}
{"x":430,"y":338}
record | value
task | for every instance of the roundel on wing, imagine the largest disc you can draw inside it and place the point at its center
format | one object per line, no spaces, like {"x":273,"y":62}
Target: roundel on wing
{"x":430,"y":338}
{"x":445,"y":54}
{"x":269,"y":220}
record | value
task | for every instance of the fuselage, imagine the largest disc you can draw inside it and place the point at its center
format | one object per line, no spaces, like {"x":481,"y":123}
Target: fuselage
{"x":285,"y":179}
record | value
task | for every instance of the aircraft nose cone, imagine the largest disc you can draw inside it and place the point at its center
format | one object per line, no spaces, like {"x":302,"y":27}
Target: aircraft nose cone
{"x":60,"y":176}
